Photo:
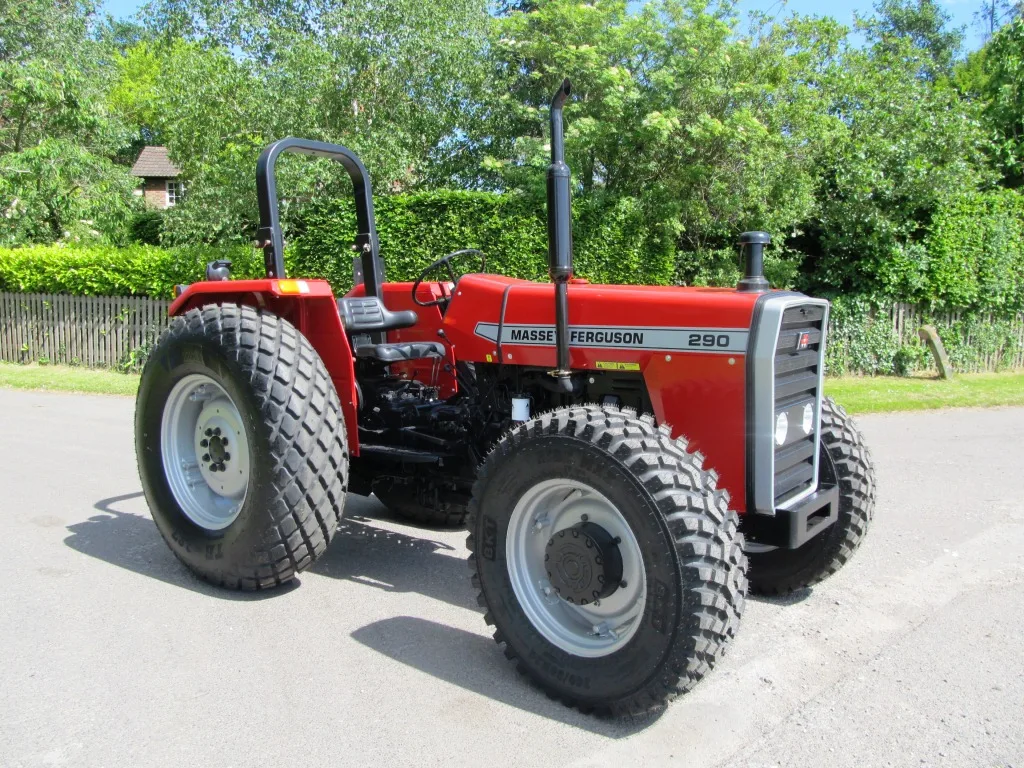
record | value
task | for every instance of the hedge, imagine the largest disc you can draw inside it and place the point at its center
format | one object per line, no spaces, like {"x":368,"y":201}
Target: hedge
{"x":99,"y":270}
{"x":612,"y":243}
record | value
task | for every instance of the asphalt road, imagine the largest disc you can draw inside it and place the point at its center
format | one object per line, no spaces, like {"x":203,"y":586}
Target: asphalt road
{"x":111,"y":654}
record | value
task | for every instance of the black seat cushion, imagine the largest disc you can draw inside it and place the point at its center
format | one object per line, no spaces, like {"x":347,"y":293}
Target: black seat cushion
{"x":396,"y":353}
{"x":367,"y":314}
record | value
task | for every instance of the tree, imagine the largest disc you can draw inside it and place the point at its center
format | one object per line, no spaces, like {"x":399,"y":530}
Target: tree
{"x":56,"y":134}
{"x":390,"y":79}
{"x":922,"y":23}
{"x":1003,"y":91}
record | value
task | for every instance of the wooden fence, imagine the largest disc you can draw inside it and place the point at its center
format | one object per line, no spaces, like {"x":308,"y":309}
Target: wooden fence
{"x":110,"y":332}
{"x":907,"y":319}
{"x":94,"y":331}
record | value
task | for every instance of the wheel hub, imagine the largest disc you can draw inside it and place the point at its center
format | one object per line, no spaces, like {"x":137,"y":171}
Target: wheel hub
{"x":205,"y":452}
{"x":583,"y":563}
{"x":218,"y":433}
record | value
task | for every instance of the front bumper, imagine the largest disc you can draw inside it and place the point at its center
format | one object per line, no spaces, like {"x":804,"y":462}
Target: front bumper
{"x":794,"y":527}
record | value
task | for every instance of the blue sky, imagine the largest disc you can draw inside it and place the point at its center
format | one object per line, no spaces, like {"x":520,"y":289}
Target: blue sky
{"x":962,"y":11}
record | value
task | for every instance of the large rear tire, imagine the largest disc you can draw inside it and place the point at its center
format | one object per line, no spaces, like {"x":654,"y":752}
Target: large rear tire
{"x":846,"y":461}
{"x":241,"y":446}
{"x":611,"y":568}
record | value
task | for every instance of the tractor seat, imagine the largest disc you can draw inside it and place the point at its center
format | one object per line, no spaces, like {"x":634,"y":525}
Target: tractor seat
{"x":363,"y":315}
{"x":367,"y":314}
{"x":397,"y":353}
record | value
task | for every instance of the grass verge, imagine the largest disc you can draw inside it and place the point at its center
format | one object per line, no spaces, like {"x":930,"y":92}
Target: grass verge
{"x":876,"y":394}
{"x":858,"y":394}
{"x":63,"y":378}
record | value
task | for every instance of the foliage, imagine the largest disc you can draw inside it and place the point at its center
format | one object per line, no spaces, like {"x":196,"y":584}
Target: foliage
{"x":1003,"y":91}
{"x":101,"y":270}
{"x":611,"y":245}
{"x":863,"y":340}
{"x":975,"y":254}
{"x":394,"y":97}
{"x":58,"y":190}
{"x":147,"y":228}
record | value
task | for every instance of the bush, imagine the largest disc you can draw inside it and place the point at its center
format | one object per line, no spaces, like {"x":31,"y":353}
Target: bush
{"x":611,"y":243}
{"x":98,"y":270}
{"x":975,"y":253}
{"x":147,"y":227}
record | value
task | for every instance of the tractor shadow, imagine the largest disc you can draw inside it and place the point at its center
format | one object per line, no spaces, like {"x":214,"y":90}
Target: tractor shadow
{"x":361,"y":552}
{"x":474,"y":663}
{"x":131,"y":541}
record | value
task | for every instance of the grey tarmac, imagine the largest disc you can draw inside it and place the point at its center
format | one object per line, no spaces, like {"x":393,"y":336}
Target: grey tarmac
{"x":114,"y":655}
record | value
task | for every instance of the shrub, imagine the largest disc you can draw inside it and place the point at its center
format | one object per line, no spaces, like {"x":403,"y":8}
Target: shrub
{"x":147,"y":227}
{"x":611,"y":244}
{"x":99,"y":270}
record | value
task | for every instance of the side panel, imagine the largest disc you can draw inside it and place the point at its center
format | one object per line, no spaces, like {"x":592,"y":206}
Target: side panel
{"x":310,"y":306}
{"x":689,"y":343}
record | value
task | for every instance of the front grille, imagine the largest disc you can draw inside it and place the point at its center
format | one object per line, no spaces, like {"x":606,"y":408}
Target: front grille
{"x":797,"y":367}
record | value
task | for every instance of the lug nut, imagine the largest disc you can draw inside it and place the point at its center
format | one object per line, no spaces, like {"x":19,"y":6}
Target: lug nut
{"x":204,"y":443}
{"x":224,"y":441}
{"x":584,"y":517}
{"x":206,"y":457}
{"x":227,"y":457}
{"x":623,"y":584}
{"x":216,"y":431}
{"x":209,"y":433}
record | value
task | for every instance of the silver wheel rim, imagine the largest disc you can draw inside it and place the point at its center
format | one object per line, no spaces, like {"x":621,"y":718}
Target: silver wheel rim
{"x":205,"y":452}
{"x":601,"y":627}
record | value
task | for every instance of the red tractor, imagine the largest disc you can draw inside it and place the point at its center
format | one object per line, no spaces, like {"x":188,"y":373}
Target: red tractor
{"x":626,"y":458}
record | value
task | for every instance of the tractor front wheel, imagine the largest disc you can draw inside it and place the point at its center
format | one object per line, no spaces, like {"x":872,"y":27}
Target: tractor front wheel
{"x":241,"y":446}
{"x":844,"y":461}
{"x":611,"y":568}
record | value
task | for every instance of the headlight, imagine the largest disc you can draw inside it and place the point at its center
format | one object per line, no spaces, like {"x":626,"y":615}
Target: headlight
{"x":808,"y":421}
{"x":781,"y":428}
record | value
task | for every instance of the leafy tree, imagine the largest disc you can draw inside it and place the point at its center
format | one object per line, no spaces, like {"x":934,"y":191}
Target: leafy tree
{"x":922,"y":23}
{"x":1003,"y":92}
{"x":260,"y":71}
{"x":58,"y":190}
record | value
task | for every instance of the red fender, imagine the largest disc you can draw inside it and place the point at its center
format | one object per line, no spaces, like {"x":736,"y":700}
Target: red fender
{"x":310,"y":306}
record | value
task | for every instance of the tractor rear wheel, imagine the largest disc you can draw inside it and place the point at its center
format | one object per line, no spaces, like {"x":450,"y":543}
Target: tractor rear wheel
{"x":611,"y":568}
{"x":420,"y":503}
{"x":241,"y":446}
{"x":845,"y":461}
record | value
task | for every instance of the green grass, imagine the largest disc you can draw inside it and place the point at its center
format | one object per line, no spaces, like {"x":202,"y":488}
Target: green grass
{"x":873,"y":394}
{"x":63,"y":378}
{"x":858,"y":394}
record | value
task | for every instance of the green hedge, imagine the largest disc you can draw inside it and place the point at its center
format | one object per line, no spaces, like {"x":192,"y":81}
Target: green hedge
{"x":972,"y":256}
{"x":612,"y":243}
{"x":98,"y":270}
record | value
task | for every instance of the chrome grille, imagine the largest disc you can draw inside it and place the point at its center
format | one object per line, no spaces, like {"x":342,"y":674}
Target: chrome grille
{"x":797,"y":370}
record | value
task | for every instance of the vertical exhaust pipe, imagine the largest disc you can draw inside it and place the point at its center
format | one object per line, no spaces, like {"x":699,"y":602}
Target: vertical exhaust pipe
{"x":560,"y":237}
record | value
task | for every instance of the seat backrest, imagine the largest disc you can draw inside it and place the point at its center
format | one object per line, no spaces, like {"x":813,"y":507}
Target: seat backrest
{"x":367,"y":314}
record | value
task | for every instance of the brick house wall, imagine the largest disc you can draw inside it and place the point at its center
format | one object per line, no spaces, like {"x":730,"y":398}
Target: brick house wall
{"x":154,"y":191}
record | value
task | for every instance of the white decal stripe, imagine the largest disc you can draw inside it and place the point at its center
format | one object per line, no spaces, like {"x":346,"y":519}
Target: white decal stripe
{"x":722,"y":340}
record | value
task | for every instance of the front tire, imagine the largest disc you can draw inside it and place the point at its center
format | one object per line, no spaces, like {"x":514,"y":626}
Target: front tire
{"x":846,"y":461}
{"x":241,"y":446}
{"x":583,"y":497}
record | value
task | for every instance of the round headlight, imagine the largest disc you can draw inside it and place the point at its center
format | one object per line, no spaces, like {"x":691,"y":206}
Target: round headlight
{"x":808,"y":420}
{"x":781,"y":428}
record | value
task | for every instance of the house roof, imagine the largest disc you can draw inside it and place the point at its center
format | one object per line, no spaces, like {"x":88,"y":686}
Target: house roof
{"x":153,"y":163}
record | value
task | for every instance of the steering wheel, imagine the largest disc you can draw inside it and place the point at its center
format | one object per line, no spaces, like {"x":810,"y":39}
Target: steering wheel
{"x":446,"y":262}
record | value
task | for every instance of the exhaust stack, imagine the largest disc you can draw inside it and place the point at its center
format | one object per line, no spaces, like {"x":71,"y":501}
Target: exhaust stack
{"x":560,"y":237}
{"x":752,"y":247}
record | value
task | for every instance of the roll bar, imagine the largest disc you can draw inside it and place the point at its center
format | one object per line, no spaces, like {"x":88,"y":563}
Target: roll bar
{"x":269,"y":237}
